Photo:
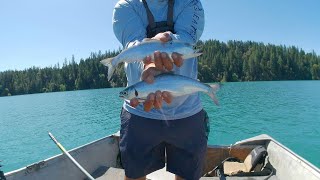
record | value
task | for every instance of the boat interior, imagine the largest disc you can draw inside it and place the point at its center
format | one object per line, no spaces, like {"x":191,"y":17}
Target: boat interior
{"x":217,"y":160}
{"x":260,"y":157}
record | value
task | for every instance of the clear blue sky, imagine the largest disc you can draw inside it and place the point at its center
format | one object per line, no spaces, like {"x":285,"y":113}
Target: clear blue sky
{"x":43,"y":33}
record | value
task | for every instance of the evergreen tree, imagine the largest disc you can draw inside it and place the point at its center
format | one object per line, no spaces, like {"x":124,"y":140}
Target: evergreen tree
{"x":231,"y":61}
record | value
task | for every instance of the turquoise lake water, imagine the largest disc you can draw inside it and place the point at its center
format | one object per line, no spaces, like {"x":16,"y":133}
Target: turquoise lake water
{"x":289,"y":111}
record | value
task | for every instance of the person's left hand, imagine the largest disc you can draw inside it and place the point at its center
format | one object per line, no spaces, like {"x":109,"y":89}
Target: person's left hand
{"x":154,"y":100}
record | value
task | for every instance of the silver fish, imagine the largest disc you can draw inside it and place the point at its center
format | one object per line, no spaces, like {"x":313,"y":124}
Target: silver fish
{"x":177,"y":85}
{"x":147,"y":48}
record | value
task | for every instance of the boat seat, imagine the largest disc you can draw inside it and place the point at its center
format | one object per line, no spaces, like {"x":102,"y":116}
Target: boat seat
{"x":254,"y":165}
{"x":255,"y":157}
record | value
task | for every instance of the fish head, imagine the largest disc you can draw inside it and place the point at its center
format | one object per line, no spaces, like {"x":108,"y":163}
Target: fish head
{"x":129,"y":93}
{"x":124,"y":94}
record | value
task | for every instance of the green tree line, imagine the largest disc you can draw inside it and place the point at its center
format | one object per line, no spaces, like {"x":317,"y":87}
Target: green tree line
{"x":220,"y":62}
{"x":252,"y":61}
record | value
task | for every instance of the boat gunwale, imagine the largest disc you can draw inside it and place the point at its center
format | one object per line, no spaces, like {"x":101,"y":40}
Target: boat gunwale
{"x":114,"y":135}
{"x":306,"y":164}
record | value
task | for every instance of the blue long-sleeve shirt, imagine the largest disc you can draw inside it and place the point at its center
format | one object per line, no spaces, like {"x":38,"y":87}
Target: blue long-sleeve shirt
{"x":129,"y":24}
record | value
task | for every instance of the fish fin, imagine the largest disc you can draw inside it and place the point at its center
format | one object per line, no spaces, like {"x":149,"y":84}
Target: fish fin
{"x":185,"y":43}
{"x":108,"y":62}
{"x":141,"y":100}
{"x":148,"y":40}
{"x":169,"y":72}
{"x":198,"y":51}
{"x":165,"y":73}
{"x":214,"y":88}
{"x":193,"y":45}
{"x":193,"y":55}
{"x":198,"y":48}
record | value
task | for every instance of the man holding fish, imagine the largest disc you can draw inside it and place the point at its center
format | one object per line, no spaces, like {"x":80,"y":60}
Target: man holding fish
{"x":162,"y":113}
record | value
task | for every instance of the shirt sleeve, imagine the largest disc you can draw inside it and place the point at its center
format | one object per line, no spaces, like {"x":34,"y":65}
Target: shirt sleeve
{"x":127,"y":24}
{"x":189,"y":24}
{"x":129,"y":30}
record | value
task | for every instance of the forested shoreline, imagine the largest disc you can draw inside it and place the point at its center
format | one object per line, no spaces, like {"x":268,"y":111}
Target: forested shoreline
{"x":221,"y":62}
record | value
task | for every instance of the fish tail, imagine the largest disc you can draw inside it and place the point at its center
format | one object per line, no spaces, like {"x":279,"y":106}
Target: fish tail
{"x":193,"y":55}
{"x":213,"y":89}
{"x":108,"y":62}
{"x":198,"y":48}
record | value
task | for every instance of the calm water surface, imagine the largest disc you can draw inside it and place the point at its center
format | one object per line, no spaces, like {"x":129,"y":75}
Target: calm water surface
{"x":289,"y":111}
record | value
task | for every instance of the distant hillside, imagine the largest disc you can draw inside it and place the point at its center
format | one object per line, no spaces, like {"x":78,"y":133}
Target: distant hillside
{"x":232,"y":61}
{"x":252,"y":61}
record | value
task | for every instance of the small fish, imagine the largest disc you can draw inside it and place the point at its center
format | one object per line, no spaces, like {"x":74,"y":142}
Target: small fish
{"x":147,"y":48}
{"x":177,"y":85}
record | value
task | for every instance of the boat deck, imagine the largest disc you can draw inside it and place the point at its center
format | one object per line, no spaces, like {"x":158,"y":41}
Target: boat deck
{"x":118,"y":174}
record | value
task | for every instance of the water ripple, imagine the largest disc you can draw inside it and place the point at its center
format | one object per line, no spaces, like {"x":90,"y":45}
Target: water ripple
{"x":289,"y":111}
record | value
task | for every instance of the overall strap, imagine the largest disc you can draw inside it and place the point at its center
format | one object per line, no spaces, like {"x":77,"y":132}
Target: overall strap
{"x":152,"y":24}
{"x":157,"y":27}
{"x":170,"y":14}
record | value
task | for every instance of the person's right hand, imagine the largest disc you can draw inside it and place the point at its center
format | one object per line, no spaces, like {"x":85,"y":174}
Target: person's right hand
{"x":162,"y":61}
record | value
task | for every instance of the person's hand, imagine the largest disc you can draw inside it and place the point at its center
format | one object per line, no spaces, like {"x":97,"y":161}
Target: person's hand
{"x":154,"y":100}
{"x":162,"y":63}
